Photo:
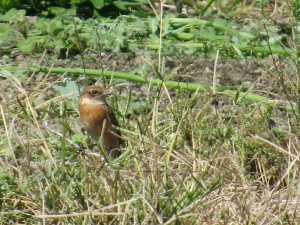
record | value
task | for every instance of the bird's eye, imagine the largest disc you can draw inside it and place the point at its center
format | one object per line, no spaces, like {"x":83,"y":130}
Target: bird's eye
{"x":94,"y":92}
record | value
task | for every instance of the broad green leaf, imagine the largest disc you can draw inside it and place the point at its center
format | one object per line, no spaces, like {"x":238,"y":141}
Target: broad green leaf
{"x":70,"y":87}
{"x":78,"y":138}
{"x":221,"y":22}
{"x":190,"y":50}
{"x":153,"y":39}
{"x":60,"y":11}
{"x":4,"y":27}
{"x":73,"y":2}
{"x":27,"y":45}
{"x":233,"y":24}
{"x":4,"y":31}
{"x":120,"y":5}
{"x":138,"y":105}
{"x":57,"y":31}
{"x":98,"y":4}
{"x":48,"y":26}
{"x":14,"y":15}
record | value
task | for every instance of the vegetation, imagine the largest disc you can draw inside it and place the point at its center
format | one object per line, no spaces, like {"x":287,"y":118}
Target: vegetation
{"x":200,"y":147}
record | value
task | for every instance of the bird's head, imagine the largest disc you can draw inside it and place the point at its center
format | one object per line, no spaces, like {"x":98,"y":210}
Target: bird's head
{"x":93,"y":95}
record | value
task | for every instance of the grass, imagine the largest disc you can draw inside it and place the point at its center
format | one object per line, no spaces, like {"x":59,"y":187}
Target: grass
{"x":190,"y":158}
{"x":185,"y":165}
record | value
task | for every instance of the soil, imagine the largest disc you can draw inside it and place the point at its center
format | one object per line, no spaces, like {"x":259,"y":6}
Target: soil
{"x":261,"y":76}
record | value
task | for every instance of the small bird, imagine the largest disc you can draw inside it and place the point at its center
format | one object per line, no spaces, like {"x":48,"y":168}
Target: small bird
{"x":98,"y":118}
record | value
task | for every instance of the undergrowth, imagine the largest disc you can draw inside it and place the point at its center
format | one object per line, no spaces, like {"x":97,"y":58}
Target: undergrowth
{"x":189,"y":158}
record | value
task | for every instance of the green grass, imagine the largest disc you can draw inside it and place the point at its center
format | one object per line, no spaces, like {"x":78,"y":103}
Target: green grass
{"x":184,"y":165}
{"x":190,"y":157}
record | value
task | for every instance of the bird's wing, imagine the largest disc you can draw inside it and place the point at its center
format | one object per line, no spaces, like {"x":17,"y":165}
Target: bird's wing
{"x":114,"y":121}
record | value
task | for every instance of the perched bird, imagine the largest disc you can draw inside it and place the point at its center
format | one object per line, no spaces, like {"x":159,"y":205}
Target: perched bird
{"x":98,"y":118}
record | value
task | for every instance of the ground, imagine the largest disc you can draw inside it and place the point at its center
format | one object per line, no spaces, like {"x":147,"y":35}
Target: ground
{"x":207,"y":158}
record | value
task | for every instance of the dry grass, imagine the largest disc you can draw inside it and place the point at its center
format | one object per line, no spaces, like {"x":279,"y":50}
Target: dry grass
{"x":205,"y":158}
{"x":187,"y":161}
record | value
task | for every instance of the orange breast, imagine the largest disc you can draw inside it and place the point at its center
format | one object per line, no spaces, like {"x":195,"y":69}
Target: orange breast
{"x":91,"y":115}
{"x":93,"y":118}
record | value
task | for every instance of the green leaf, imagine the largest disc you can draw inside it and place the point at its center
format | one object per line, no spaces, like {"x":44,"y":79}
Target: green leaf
{"x":237,"y":50}
{"x":60,"y":11}
{"x":185,"y":36}
{"x":57,"y":31}
{"x":173,"y":72}
{"x":14,"y":15}
{"x":120,"y":5}
{"x":4,"y":30}
{"x":78,"y":138}
{"x":46,"y":25}
{"x":206,"y":33}
{"x":73,"y":2}
{"x":247,"y":35}
{"x":138,"y":105}
{"x":142,"y":69}
{"x":98,"y":4}
{"x":27,"y":45}
{"x":221,"y":22}
{"x":166,"y":23}
{"x":153,"y":39}
{"x":190,"y":50}
{"x":153,"y":24}
{"x":70,"y":87}
{"x":4,"y":27}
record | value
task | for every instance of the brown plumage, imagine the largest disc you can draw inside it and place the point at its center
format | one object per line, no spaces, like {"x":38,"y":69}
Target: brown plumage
{"x":98,"y":117}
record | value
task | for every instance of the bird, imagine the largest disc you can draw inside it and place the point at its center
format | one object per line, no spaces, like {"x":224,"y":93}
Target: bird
{"x":98,"y":118}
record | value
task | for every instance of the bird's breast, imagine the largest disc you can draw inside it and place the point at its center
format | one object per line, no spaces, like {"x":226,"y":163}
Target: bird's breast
{"x":92,"y":115}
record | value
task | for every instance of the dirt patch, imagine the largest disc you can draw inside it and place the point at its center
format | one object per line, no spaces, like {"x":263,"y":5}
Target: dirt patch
{"x":230,"y":72}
